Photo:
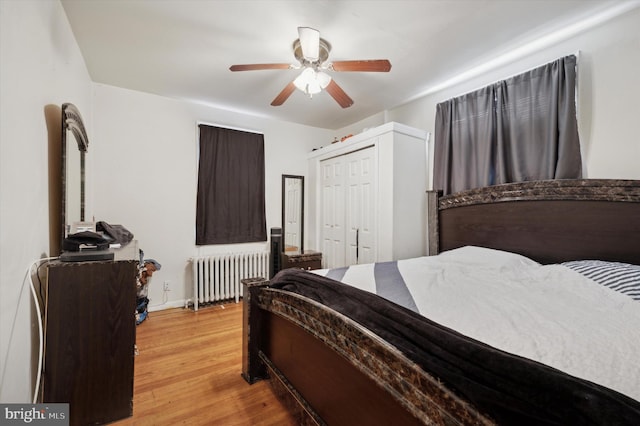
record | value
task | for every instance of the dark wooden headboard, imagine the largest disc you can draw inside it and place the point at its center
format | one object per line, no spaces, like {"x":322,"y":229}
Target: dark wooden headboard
{"x":549,"y":221}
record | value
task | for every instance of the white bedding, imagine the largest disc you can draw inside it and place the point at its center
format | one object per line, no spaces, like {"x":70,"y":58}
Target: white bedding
{"x":548,"y":313}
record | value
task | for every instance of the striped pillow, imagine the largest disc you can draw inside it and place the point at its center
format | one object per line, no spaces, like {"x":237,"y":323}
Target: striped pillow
{"x":621,"y":277}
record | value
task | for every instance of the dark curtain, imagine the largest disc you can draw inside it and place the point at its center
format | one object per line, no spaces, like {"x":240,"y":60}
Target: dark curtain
{"x":537,"y":132}
{"x":464,"y":132}
{"x":231,"y":195}
{"x":523,"y":128}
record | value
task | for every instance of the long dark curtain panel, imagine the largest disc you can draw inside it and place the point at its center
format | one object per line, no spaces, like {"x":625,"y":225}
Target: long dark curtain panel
{"x":464,"y":131}
{"x":537,"y":128}
{"x":231,"y":192}
{"x":523,"y":128}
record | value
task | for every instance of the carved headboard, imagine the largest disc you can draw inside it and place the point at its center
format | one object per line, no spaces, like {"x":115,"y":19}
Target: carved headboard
{"x":549,"y":221}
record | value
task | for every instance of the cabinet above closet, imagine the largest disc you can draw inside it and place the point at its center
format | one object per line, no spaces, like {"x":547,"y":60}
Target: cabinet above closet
{"x":368,"y":196}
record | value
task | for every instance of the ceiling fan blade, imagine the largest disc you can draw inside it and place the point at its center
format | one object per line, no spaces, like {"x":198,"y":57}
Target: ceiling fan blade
{"x":374,"y":65}
{"x":338,"y":94}
{"x":255,"y":67}
{"x":309,"y":43}
{"x":284,"y":95}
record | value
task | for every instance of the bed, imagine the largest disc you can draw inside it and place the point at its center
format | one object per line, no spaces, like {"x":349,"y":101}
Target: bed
{"x":338,"y":353}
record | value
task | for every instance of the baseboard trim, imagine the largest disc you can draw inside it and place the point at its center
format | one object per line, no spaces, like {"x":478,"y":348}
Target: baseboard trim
{"x":168,"y":305}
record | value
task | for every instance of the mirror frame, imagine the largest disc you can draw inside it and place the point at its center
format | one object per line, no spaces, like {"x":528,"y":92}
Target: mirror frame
{"x":72,"y":122}
{"x":284,"y":210}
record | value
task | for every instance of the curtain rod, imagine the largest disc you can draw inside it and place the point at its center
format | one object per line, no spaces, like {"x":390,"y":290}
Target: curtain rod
{"x":225,"y":126}
{"x":576,"y":54}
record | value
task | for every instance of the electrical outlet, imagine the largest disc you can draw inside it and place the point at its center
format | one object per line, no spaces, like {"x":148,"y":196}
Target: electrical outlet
{"x":165,"y":286}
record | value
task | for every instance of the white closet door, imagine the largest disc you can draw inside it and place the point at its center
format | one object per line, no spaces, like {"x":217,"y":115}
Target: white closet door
{"x":348,"y":209}
{"x":333,"y":218}
{"x":360,"y":207}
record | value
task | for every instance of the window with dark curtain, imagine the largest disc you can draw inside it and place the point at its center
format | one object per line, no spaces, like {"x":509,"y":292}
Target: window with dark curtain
{"x":231,"y":193}
{"x":527,"y":131}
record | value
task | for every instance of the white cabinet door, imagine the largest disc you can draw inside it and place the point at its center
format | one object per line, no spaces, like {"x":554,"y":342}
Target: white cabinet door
{"x":360,"y":207}
{"x":333,"y":226}
{"x":348,"y":209}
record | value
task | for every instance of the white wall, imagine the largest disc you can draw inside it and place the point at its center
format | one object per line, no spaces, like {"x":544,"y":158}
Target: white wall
{"x":41,"y":66}
{"x":608,"y":93}
{"x":145,"y":175}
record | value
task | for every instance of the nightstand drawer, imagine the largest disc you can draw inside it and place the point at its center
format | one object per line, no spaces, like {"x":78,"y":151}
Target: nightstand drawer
{"x":307,"y":260}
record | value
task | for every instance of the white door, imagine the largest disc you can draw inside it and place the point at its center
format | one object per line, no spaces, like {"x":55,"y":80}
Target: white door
{"x":360,"y":207}
{"x":333,"y":228}
{"x":348,"y":209}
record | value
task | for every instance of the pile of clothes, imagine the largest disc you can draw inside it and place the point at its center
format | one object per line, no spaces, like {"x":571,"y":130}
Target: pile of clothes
{"x":119,"y":236}
{"x":146,"y":269}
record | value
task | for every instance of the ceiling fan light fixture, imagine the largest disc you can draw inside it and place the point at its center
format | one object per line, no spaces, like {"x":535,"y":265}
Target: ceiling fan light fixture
{"x":311,"y":82}
{"x":323,"y":79}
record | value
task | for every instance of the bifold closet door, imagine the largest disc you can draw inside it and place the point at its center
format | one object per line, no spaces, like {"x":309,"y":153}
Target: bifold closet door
{"x":333,"y":227}
{"x":348,"y":209}
{"x":360,"y":207}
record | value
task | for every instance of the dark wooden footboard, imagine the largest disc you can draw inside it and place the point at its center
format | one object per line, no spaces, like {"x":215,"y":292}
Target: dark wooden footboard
{"x":332,"y":370}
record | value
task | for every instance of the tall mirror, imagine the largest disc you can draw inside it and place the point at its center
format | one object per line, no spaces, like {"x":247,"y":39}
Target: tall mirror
{"x":293,"y":213}
{"x":74,"y":147}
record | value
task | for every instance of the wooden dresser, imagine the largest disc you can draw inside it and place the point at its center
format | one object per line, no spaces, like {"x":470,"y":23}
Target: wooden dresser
{"x":90,"y":339}
{"x":307,"y":259}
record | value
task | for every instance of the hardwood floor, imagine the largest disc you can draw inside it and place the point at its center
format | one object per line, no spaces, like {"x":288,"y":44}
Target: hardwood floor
{"x":188,"y":372}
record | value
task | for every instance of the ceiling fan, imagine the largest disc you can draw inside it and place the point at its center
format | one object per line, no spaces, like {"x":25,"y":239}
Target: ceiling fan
{"x":312,"y":52}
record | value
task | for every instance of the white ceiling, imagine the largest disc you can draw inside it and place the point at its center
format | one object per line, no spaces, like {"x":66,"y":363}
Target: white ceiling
{"x":183,"y":48}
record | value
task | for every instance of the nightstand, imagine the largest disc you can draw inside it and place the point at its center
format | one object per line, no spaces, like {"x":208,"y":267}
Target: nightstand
{"x":308,"y":259}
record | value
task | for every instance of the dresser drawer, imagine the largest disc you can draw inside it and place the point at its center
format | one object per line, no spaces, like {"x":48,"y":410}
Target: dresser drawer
{"x":306,"y":260}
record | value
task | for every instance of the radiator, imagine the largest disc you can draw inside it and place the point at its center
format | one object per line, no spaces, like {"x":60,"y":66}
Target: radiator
{"x":217,"y":277}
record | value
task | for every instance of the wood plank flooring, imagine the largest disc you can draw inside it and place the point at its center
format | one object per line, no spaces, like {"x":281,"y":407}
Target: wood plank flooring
{"x":188,"y":372}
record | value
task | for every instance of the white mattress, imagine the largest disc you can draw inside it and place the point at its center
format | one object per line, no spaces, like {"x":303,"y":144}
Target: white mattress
{"x":548,"y":313}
